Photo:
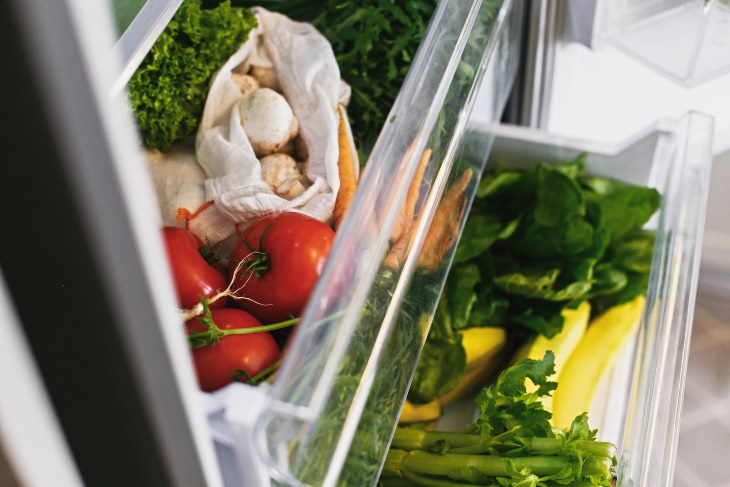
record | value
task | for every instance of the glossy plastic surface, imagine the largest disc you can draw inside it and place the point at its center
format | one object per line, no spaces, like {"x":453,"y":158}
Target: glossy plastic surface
{"x":139,"y":24}
{"x":687,"y":40}
{"x":335,"y":401}
{"x":638,"y":405}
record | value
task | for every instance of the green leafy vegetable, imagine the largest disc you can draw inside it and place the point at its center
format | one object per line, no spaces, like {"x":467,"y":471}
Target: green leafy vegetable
{"x":510,"y":444}
{"x":168,"y":90}
{"x":375,"y":43}
{"x":444,"y":358}
{"x":536,"y":242}
{"x":555,"y":235}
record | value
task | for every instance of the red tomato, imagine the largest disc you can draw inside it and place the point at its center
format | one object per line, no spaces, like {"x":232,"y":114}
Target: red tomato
{"x":294,"y":249}
{"x":252,"y":353}
{"x":192,"y":274}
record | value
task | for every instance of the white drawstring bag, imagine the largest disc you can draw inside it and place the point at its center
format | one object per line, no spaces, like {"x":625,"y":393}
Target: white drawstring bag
{"x":310,"y":81}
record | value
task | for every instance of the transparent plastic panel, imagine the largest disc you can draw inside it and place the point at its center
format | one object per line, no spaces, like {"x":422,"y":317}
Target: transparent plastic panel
{"x":639,"y":403}
{"x":139,"y":24}
{"x":687,"y":40}
{"x":335,"y":402}
{"x":124,"y":12}
{"x":655,"y":405}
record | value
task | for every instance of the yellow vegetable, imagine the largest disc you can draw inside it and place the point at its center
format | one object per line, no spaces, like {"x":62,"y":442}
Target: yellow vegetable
{"x":575,"y":322}
{"x":596,"y":352}
{"x":420,"y":413}
{"x":481,"y":345}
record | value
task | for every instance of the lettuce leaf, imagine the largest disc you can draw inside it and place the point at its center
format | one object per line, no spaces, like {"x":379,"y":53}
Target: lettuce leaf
{"x":168,"y":91}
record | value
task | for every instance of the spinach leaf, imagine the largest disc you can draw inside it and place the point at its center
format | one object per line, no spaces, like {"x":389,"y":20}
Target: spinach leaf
{"x":608,"y":279}
{"x":559,"y":198}
{"x":534,"y":240}
{"x":504,"y":182}
{"x":636,"y":285}
{"x":625,"y":208}
{"x":481,"y":232}
{"x":490,"y":309}
{"x":459,"y":294}
{"x":574,"y":168}
{"x":543,"y":317}
{"x":634,"y":252}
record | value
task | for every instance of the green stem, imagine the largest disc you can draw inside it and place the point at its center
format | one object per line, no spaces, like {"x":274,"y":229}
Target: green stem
{"x":424,"y":463}
{"x":214,"y":334}
{"x":425,"y":481}
{"x":246,"y":331}
{"x":393,"y":462}
{"x":414,"y":439}
{"x":268,"y":370}
{"x":469,"y":443}
{"x":547,"y":445}
{"x":476,"y":449}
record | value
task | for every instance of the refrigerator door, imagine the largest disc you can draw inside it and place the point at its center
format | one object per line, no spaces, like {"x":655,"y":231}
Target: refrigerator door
{"x":30,"y":434}
{"x":82,"y":256}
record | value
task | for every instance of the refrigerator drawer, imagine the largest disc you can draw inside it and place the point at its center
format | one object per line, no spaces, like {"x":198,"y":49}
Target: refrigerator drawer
{"x":333,"y":406}
{"x":637,"y":406}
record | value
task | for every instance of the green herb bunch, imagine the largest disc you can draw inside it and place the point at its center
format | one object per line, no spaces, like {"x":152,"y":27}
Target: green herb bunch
{"x":384,"y":402}
{"x":538,"y":241}
{"x":168,"y":91}
{"x":511,"y":443}
{"x":374,"y":43}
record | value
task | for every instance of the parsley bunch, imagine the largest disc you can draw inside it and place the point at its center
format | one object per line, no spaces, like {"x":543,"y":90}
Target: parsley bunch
{"x":511,"y":443}
{"x":374,"y":43}
{"x":167,"y":92}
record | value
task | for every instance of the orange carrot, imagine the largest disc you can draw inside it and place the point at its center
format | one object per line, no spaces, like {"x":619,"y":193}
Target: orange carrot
{"x":346,"y":166}
{"x":445,"y":225}
{"x":405,"y":219}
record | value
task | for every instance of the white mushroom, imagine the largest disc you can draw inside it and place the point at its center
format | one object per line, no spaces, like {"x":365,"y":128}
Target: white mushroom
{"x":291,"y":188}
{"x":278,"y":168}
{"x":268,"y":120}
{"x":245,"y":83}
{"x":294,"y":128}
{"x":266,"y":77}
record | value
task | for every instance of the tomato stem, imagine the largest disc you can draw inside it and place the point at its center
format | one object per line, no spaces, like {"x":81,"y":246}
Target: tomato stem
{"x":240,"y":375}
{"x":260,"y":262}
{"x":214,"y":334}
